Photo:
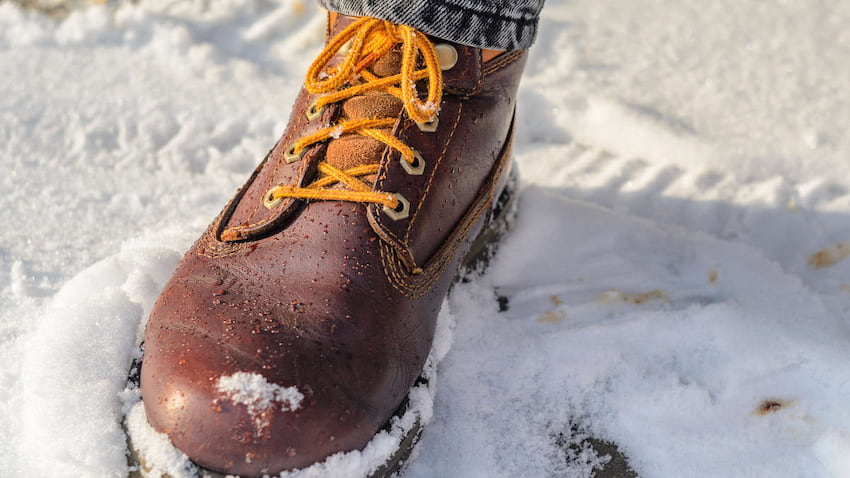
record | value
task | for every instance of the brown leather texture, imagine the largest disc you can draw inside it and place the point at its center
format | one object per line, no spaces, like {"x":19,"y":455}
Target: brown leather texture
{"x":333,"y":298}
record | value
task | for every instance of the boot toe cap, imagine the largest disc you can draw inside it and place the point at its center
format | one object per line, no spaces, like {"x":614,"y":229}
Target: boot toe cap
{"x":250,"y":422}
{"x":254,"y":403}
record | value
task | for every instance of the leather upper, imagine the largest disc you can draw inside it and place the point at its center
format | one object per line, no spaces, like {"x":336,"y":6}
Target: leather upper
{"x":333,"y":298}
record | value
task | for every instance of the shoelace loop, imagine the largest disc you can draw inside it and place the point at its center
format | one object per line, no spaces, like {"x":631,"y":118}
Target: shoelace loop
{"x":368,"y":40}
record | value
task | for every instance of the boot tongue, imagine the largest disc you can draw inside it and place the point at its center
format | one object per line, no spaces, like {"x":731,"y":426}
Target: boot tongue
{"x":387,"y":65}
{"x":352,"y":150}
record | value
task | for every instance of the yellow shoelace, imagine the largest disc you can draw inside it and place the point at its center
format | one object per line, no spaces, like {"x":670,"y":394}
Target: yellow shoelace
{"x":369,"y":40}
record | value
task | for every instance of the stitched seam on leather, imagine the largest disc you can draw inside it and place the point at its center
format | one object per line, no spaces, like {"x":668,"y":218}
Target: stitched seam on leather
{"x":503,"y":62}
{"x":479,"y":61}
{"x":417,"y":285}
{"x":383,"y":234}
{"x":209,"y":241}
{"x":392,"y":274}
{"x":406,"y":122}
{"x":468,"y":91}
{"x":507,"y":60}
{"x":374,"y":216}
{"x":277,"y":165}
{"x":433,"y":173}
{"x":469,"y":221}
{"x":217,"y":252}
{"x":489,"y":70}
{"x":211,"y":248}
{"x":399,"y":279}
{"x":330,"y":28}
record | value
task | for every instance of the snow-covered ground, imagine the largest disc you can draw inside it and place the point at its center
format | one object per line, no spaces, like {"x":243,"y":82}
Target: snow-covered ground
{"x":676,"y":280}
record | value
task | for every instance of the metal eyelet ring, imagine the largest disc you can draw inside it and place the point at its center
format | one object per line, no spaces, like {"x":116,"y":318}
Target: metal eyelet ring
{"x":402,"y":211}
{"x":417,"y":167}
{"x":447,"y":55}
{"x":269,"y":201}
{"x":290,"y":156}
{"x":313,"y":112}
{"x":429,"y":126}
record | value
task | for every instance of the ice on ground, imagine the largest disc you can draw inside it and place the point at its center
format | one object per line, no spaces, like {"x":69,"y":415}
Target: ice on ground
{"x":676,"y":282}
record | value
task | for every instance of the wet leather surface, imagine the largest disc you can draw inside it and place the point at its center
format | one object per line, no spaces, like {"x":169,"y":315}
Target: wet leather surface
{"x":313,"y":294}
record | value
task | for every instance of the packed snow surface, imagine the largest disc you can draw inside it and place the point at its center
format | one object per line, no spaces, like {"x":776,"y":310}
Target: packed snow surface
{"x":677,"y":280}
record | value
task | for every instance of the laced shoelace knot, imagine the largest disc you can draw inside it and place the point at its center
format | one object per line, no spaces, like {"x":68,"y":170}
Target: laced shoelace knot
{"x":363,"y":43}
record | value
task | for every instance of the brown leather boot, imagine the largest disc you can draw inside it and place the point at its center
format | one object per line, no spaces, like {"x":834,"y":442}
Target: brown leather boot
{"x":295,"y":326}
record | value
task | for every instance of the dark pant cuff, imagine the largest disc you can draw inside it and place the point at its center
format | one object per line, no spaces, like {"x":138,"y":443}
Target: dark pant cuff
{"x":493,"y":24}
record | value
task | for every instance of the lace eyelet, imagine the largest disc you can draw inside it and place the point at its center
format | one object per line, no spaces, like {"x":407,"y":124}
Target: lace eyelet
{"x":313,"y":112}
{"x":447,"y":55}
{"x":269,"y":201}
{"x":402,"y":211}
{"x":429,"y":126}
{"x":290,"y":156}
{"x":418,"y":166}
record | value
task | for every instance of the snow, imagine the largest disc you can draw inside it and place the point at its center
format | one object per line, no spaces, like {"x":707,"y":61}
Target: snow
{"x":162,"y":458}
{"x":677,"y":279}
{"x":259,"y":396}
{"x":336,"y":132}
{"x":160,"y":455}
{"x":253,"y":390}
